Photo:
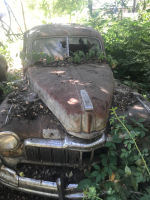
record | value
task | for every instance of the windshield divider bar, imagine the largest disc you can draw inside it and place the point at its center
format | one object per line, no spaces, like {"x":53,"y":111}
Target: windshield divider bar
{"x":67,"y":46}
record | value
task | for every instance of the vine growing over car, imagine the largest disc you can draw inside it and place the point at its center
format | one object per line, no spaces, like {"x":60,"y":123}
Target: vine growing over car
{"x":99,"y":55}
{"x":120,"y":173}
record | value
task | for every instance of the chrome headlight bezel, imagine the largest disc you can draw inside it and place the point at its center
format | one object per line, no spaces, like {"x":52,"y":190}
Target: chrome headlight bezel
{"x":14,"y":138}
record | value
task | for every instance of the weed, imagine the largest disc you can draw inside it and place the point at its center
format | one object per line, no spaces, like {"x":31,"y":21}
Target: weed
{"x":122,"y":172}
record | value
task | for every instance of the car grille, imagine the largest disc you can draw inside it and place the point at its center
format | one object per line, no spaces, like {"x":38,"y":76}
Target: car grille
{"x":41,"y":154}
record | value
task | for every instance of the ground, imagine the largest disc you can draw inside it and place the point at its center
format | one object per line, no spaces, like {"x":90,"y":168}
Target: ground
{"x":8,"y":194}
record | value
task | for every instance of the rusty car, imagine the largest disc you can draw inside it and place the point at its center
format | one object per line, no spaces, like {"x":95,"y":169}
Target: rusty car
{"x":59,"y":115}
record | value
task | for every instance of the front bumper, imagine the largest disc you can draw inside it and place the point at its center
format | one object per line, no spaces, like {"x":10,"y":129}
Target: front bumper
{"x":10,"y":179}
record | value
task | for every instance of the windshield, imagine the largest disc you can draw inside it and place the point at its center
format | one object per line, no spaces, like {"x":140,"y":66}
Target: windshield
{"x":57,"y":47}
{"x":50,"y":46}
{"x":83,"y":44}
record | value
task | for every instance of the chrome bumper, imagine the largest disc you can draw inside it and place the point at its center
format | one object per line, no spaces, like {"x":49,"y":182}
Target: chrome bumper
{"x":10,"y":179}
{"x":68,"y":143}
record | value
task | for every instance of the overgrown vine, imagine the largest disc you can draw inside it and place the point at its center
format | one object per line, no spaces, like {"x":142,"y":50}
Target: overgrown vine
{"x":123,"y":167}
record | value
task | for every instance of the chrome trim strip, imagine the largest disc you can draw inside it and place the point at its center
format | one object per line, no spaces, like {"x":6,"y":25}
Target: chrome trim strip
{"x":10,"y":179}
{"x":67,"y":143}
{"x":145,"y":106}
{"x":67,"y":45}
{"x":88,"y":106}
{"x":60,"y":189}
{"x":13,"y":161}
{"x":9,"y":176}
{"x":39,"y":185}
{"x":7,"y":118}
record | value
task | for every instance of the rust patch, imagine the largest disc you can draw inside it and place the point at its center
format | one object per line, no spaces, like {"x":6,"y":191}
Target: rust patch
{"x":34,"y":128}
{"x":89,"y":122}
{"x":89,"y":78}
{"x":18,"y":152}
{"x":65,"y":94}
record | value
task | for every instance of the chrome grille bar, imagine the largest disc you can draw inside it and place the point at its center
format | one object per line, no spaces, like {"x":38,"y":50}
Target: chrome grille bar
{"x":68,"y":143}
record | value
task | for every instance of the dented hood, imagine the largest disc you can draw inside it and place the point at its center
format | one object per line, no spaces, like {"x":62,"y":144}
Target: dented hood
{"x":79,"y":96}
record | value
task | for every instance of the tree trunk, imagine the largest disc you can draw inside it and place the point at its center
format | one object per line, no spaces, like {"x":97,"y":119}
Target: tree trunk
{"x":90,"y":6}
{"x":144,"y":5}
{"x":134,"y":6}
{"x":23,"y":17}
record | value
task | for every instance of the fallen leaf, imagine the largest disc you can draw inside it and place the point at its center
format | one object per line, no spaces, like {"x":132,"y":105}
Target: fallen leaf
{"x":18,"y":116}
{"x":41,"y":106}
{"x":21,"y":174}
{"x":70,"y":174}
{"x":112,"y":177}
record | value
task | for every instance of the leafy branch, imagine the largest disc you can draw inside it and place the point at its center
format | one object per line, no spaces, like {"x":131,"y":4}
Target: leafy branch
{"x":114,"y":112}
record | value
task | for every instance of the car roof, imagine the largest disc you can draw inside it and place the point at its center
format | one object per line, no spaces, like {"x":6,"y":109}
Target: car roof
{"x":62,"y":30}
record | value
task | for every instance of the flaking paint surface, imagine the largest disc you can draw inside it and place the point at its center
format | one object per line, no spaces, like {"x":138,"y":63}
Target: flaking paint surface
{"x":63,"y":86}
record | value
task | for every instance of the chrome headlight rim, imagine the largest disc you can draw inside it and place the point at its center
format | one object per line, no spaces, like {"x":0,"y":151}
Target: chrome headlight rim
{"x":9,"y":133}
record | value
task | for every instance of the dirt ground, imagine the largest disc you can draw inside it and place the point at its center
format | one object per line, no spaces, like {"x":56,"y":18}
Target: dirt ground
{"x":9,"y":194}
{"x":47,"y":173}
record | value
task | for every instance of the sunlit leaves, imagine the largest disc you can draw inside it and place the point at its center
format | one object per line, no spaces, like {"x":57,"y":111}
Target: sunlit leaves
{"x":127,"y":170}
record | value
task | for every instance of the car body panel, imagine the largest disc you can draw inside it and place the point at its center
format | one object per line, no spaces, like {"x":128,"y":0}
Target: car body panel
{"x":60,"y":91}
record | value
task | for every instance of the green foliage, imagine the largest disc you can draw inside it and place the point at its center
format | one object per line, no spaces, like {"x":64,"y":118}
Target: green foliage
{"x":49,"y":8}
{"x":127,"y":41}
{"x":101,"y":57}
{"x":91,"y":194}
{"x":14,"y":75}
{"x":76,"y":58}
{"x":146,"y":195}
{"x":37,"y":56}
{"x":119,"y":173}
{"x":11,"y":83}
{"x":5,"y":52}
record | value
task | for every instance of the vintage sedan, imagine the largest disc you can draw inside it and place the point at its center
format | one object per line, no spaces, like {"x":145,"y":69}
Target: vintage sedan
{"x":57,"y":119}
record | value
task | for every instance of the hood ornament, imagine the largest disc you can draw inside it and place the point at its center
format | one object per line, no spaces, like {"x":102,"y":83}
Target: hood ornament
{"x":88,"y":106}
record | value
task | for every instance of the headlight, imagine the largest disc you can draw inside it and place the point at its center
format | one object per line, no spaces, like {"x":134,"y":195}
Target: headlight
{"x":9,"y":141}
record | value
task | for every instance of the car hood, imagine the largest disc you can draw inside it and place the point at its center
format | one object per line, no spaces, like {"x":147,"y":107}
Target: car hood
{"x":79,"y":96}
